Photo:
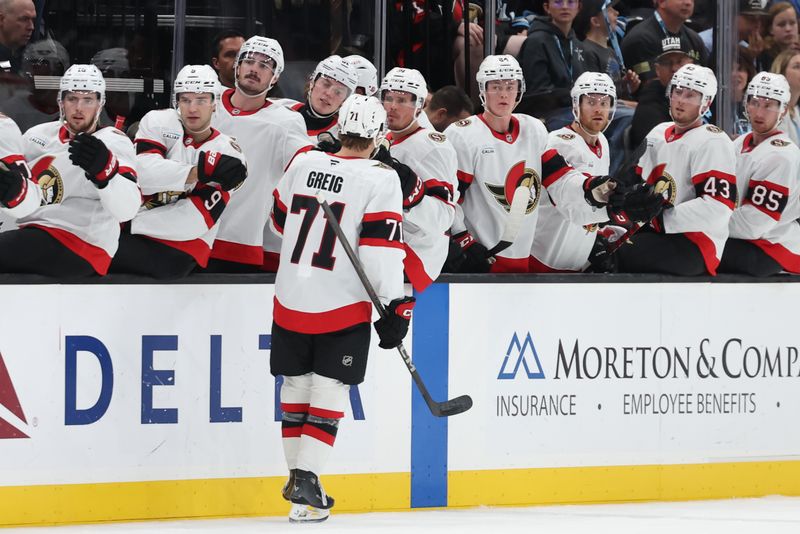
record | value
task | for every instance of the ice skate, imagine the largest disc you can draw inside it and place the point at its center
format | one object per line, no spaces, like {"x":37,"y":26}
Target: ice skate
{"x":309,"y":502}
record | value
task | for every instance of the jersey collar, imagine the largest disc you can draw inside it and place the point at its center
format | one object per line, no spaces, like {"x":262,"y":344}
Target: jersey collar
{"x":391,"y":139}
{"x":508,"y":137}
{"x":597,"y":148}
{"x":188,"y":141}
{"x":233,"y":110}
{"x":747,"y":144}
{"x":671,"y":135}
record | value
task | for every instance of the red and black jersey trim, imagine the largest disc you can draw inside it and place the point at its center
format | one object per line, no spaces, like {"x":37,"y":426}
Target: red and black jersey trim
{"x":767,"y":197}
{"x":147,"y":146}
{"x":718,"y":185}
{"x":210,"y":202}
{"x":279,"y":212}
{"x":382,"y":229}
{"x":440,"y":190}
{"x":465,"y":180}
{"x":553,"y":167}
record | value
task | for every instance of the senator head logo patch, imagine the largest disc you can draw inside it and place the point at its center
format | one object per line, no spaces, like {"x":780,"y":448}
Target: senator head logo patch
{"x":518,"y":175}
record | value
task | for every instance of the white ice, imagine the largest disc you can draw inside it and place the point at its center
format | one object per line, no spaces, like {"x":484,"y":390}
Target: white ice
{"x":769,"y":515}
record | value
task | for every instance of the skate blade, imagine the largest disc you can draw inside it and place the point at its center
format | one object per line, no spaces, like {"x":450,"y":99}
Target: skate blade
{"x":303,"y":513}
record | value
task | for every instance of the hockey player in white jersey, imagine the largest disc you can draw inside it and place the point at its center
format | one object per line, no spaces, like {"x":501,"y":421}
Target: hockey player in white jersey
{"x":560,"y":245}
{"x":187,"y":173}
{"x":764,"y":234}
{"x":270,"y":135}
{"x":86,"y":182}
{"x":499,"y":152}
{"x":18,"y":193}
{"x":693,"y":166}
{"x":321,"y":331}
{"x":428,"y":191}
{"x":367,"y":75}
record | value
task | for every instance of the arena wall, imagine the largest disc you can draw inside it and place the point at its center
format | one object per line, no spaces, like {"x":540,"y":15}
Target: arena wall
{"x":132,"y":401}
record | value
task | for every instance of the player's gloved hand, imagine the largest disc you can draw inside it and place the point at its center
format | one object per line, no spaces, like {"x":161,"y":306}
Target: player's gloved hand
{"x":638,"y":203}
{"x":600,"y":258}
{"x":328,"y":143}
{"x":394,"y":327}
{"x":382,"y":153}
{"x":597,"y":189}
{"x":13,"y":184}
{"x":476,"y":256}
{"x":657,"y":222}
{"x":221,"y":170}
{"x":93,"y":156}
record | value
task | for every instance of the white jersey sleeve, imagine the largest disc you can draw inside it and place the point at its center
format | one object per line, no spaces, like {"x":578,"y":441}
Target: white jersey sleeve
{"x":159,"y":133}
{"x":122,"y":196}
{"x":11,"y":156}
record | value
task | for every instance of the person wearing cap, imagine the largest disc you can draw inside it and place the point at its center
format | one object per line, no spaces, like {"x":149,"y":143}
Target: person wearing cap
{"x":85,"y":186}
{"x":764,"y":234}
{"x":748,"y":23}
{"x":653,"y":107}
{"x":645,"y":42}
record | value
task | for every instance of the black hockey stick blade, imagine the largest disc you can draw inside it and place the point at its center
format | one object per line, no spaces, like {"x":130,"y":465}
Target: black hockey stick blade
{"x":439,"y":409}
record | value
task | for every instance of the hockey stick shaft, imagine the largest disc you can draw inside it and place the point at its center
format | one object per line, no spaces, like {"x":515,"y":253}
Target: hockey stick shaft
{"x":516,"y":214}
{"x":439,"y":409}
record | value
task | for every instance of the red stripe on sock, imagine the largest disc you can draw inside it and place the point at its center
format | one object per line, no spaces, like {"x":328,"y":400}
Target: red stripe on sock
{"x":319,"y":434}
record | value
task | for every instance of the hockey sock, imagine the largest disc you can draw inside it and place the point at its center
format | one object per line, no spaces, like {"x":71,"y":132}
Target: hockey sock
{"x":329,"y":398}
{"x":295,"y":397}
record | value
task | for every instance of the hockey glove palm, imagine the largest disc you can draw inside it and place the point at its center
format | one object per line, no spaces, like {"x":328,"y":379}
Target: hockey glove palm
{"x":394,"y":327}
{"x":216,"y":169}
{"x":476,"y":256}
{"x":13,"y":184}
{"x":328,"y":143}
{"x":597,"y":189}
{"x":640,"y":203}
{"x":93,"y":156}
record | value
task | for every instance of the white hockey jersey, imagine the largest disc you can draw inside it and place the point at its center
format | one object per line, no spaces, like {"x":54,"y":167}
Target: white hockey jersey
{"x":425,"y":226}
{"x":316,"y":289}
{"x":491,"y":165}
{"x":697,"y":170}
{"x":180,"y":216}
{"x":768,"y":178}
{"x":559,"y":244}
{"x":269,"y":137}
{"x":82,"y":217}
{"x":314,"y":125}
{"x":11,"y":150}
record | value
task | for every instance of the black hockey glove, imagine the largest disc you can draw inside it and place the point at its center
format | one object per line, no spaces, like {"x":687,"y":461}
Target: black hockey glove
{"x":476,"y":256}
{"x":412,"y":185}
{"x":93,"y":156}
{"x":221,"y":170}
{"x":13,"y":184}
{"x":382,"y":154}
{"x":596,"y":190}
{"x":394,"y":327}
{"x":600,"y":259}
{"x":639,"y":203}
{"x":328,"y":143}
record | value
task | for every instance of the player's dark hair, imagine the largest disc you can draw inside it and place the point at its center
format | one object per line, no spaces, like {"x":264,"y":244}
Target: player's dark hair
{"x":216,"y":43}
{"x":357,"y":144}
{"x":453,"y":99}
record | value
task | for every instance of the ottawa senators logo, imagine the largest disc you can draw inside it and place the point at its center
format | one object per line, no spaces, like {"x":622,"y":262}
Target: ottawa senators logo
{"x":162,"y":199}
{"x":49,"y":180}
{"x":517,"y":176}
{"x":566,"y":136}
{"x":463,"y":122}
{"x":663,"y":183}
{"x":436,"y":136}
{"x":779,"y":142}
{"x":713,"y":129}
{"x":236,"y":147}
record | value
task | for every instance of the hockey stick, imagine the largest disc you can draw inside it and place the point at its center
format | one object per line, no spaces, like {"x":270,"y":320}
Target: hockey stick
{"x":516,"y":214}
{"x":439,"y":409}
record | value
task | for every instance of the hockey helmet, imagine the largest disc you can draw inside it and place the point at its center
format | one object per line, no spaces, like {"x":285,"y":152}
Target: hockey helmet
{"x":362,"y":116}
{"x":697,"y":78}
{"x":408,"y":81}
{"x":593,"y":83}
{"x":338,"y":69}
{"x":195,"y":79}
{"x":265,"y":46}
{"x":500,"y":67}
{"x":366,"y":72}
{"x":82,"y":78}
{"x":770,"y":85}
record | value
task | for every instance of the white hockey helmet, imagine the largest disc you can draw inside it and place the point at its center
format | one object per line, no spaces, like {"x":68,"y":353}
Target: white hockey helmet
{"x":338,"y":69}
{"x":261,"y":45}
{"x":406,"y":80}
{"x":770,"y":85}
{"x":195,"y":79}
{"x":363,"y":116}
{"x":82,"y":77}
{"x":366,"y":72}
{"x":594,"y":83}
{"x":697,"y":78}
{"x":500,"y":67}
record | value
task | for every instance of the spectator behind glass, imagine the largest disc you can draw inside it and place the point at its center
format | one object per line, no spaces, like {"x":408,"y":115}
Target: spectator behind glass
{"x":743,"y":72}
{"x":226,"y":47}
{"x":113,"y":63}
{"x":448,"y":105}
{"x":37,"y":105}
{"x":644,"y":42}
{"x":788,"y":64}
{"x":749,"y":22}
{"x":779,"y":33}
{"x":16,"y":27}
{"x":653,"y":108}
{"x":551,"y":60}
